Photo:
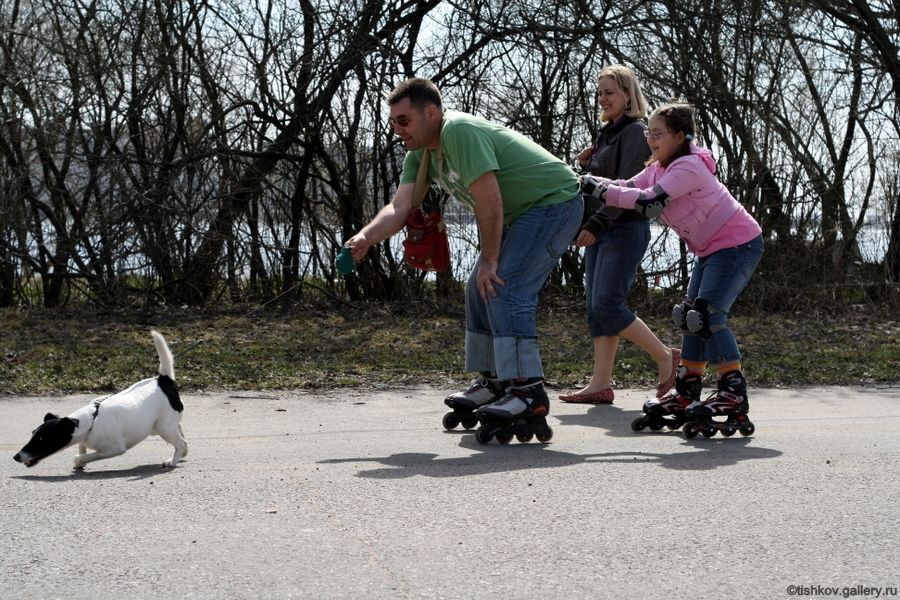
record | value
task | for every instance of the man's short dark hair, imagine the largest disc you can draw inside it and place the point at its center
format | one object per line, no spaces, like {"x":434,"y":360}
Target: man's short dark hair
{"x":420,"y":92}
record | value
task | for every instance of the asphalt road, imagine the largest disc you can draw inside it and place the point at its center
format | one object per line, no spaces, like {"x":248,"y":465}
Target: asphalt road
{"x":363,"y":495}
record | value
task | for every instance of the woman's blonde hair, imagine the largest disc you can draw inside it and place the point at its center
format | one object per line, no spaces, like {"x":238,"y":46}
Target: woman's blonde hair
{"x":624,"y":77}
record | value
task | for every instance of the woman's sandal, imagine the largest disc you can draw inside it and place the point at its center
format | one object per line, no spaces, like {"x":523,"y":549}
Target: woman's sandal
{"x":667,"y":385}
{"x":602,"y":397}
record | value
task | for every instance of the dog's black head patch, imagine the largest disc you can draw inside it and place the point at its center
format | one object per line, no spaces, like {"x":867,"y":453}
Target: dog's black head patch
{"x":54,"y":434}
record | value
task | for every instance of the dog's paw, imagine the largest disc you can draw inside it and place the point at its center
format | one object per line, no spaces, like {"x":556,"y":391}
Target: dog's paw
{"x":78,"y":466}
{"x":169,"y":464}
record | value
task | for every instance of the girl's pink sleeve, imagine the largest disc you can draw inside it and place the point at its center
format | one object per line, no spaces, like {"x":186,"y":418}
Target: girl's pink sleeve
{"x":677,"y":180}
{"x":624,"y":193}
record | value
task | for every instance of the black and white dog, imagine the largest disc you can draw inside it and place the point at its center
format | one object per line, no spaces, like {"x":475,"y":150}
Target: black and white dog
{"x":112,"y":425}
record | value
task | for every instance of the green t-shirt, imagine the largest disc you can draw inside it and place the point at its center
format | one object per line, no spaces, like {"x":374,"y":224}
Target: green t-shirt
{"x":528,"y":174}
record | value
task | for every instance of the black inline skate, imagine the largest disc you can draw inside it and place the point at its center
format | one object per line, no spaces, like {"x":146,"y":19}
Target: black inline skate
{"x":483,"y":390}
{"x":729,"y":401}
{"x":669,"y":411}
{"x":522,"y":413}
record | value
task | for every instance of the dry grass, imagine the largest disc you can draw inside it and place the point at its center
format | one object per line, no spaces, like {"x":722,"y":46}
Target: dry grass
{"x":335,"y":346}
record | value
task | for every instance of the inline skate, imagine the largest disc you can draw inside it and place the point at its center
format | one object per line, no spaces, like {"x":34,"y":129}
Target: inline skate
{"x":521,"y":413}
{"x":729,"y":401}
{"x":483,"y":390}
{"x":669,"y":411}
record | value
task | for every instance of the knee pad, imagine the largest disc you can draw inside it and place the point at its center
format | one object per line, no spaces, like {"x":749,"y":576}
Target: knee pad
{"x":697,"y":320}
{"x":679,"y":315}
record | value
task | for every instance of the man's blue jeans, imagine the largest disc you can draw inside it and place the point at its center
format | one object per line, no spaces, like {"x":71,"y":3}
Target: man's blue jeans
{"x":718,"y":279}
{"x":501,"y":335}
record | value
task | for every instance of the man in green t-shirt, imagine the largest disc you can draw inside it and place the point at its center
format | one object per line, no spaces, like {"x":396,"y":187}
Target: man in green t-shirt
{"x":528,"y":208}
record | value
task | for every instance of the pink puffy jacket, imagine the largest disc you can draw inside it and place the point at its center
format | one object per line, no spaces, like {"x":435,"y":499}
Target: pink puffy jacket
{"x":700,"y":208}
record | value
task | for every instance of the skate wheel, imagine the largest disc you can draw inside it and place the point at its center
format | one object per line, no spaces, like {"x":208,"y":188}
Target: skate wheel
{"x":483,"y":436}
{"x":450,"y":421}
{"x":690,"y":431}
{"x":469,"y":421}
{"x":524,"y":438}
{"x":545,"y":436}
{"x":639,"y":424}
{"x":504,"y":438}
{"x":747,"y":429}
{"x":656,"y":426}
{"x":708,"y":432}
{"x":728,"y":431}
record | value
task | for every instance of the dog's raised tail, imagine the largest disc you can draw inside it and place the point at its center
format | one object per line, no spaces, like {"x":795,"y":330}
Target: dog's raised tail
{"x":166,"y":361}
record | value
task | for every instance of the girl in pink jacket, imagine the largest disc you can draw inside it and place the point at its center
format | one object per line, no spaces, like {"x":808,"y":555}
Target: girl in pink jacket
{"x":679,"y":186}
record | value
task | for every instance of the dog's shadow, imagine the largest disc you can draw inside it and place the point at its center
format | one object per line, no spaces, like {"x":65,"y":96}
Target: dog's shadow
{"x":138,"y":473}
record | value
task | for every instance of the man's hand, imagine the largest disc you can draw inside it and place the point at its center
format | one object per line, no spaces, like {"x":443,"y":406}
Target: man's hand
{"x":358,"y":245}
{"x":486,"y":279}
{"x":389,"y":220}
{"x":489,"y":216}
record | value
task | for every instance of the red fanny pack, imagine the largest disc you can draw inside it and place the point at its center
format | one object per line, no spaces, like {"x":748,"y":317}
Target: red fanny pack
{"x":426,"y":246}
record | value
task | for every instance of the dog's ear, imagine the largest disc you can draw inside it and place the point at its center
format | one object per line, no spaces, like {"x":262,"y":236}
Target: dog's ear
{"x":71,"y":423}
{"x":50,"y":417}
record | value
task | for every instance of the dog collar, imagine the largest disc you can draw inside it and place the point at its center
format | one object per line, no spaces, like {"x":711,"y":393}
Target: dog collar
{"x":97,"y":403}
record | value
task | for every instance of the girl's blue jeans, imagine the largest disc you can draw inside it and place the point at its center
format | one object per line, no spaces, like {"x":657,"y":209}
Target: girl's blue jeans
{"x":501,"y":335}
{"x":719,"y":278}
{"x":609,"y":269}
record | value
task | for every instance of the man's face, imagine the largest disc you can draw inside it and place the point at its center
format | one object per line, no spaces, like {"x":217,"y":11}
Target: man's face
{"x":418,"y":127}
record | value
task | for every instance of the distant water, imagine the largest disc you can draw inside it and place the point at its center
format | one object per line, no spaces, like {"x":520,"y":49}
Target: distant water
{"x":662,"y":254}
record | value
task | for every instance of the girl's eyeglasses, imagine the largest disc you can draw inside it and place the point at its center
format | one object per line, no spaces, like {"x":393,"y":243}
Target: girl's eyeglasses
{"x":655,"y":134}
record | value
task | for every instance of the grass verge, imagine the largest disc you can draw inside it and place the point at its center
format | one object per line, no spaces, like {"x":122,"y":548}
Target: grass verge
{"x":317,"y":346}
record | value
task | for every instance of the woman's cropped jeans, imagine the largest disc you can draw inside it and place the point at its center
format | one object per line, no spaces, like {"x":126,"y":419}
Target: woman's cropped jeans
{"x":610,"y":265}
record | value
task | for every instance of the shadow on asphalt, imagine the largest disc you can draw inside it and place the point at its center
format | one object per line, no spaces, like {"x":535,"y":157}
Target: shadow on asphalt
{"x":134,"y":474}
{"x":707,"y":454}
{"x":615,"y":420}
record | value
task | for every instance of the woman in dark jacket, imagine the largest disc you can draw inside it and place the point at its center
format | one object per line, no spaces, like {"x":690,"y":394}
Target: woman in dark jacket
{"x":615,"y":240}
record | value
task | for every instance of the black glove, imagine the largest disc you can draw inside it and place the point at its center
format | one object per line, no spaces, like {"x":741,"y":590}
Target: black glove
{"x":593,"y":188}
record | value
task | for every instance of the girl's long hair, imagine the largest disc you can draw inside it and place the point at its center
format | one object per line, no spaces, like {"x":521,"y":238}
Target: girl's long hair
{"x":678,"y":116}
